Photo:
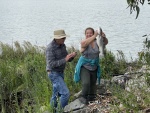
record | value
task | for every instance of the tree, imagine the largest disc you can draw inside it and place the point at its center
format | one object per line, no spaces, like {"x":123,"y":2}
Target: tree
{"x":134,"y":5}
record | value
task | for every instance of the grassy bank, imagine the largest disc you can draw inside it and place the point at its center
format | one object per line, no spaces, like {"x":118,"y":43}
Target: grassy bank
{"x":24,"y":85}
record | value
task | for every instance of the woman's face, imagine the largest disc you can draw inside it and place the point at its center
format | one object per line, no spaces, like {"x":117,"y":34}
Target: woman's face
{"x":88,"y":33}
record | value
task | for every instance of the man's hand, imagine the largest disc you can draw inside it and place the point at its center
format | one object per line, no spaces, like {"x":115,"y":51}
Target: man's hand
{"x":70,"y":56}
{"x":74,"y":54}
{"x":48,"y":72}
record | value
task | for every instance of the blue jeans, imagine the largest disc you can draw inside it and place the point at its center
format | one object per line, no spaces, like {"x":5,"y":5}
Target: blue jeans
{"x":59,"y":89}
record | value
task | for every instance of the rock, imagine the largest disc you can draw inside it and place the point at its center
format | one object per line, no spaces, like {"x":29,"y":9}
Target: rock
{"x":138,"y":87}
{"x":147,"y":110}
{"x":145,"y":69}
{"x":102,"y":88}
{"x":104,"y":82}
{"x":46,"y":112}
{"x":76,"y":95}
{"x":133,"y":75}
{"x":84,"y":110}
{"x":136,"y":84}
{"x":120,"y":80}
{"x":75,"y":105}
{"x":148,"y":90}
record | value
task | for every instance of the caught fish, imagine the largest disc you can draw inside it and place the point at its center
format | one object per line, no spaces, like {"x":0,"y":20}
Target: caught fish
{"x":100,"y":43}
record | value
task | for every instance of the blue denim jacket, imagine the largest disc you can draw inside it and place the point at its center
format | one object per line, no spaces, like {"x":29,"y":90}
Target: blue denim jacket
{"x":82,"y":60}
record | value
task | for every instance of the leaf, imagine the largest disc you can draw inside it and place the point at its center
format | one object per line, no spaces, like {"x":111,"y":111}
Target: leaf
{"x":20,"y":88}
{"x":144,"y":35}
{"x":132,"y":1}
{"x":138,"y":10}
{"x":130,"y":9}
{"x":142,"y":1}
{"x":128,"y":6}
{"x":128,"y":1}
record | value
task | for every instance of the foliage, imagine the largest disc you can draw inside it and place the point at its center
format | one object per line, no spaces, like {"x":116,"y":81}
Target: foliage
{"x":24,"y":85}
{"x":23,"y":80}
{"x":144,"y":55}
{"x":128,"y":102}
{"x":134,"y":5}
{"x":112,"y":65}
{"x":69,"y":73}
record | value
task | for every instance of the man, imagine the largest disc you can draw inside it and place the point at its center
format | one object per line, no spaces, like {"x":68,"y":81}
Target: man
{"x":56,"y":58}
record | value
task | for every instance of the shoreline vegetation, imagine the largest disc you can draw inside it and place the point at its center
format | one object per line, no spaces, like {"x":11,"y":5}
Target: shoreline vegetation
{"x":25,"y":87}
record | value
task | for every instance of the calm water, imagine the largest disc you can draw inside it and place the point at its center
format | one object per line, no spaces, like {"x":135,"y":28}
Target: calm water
{"x":35,"y":21}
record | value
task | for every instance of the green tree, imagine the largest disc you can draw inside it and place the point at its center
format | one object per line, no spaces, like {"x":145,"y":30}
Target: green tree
{"x":134,"y":5}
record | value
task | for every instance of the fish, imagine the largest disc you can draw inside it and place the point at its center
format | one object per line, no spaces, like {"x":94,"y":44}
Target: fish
{"x":100,"y":43}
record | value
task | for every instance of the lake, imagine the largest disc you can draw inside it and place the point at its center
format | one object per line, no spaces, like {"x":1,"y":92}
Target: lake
{"x":35,"y":21}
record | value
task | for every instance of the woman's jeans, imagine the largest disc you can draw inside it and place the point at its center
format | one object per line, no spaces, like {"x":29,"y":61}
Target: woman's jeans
{"x":59,"y":89}
{"x":88,"y":79}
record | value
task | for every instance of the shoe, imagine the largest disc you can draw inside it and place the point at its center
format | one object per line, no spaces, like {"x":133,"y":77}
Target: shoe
{"x":91,"y":97}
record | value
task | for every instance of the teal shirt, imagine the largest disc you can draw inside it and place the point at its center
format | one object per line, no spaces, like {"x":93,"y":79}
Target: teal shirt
{"x":82,"y":60}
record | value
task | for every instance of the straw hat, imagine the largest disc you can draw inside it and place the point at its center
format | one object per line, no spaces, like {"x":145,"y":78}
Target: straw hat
{"x":58,"y":34}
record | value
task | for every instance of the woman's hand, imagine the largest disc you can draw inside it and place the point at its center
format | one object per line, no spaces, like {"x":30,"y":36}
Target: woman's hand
{"x":103,"y":35}
{"x":96,"y":33}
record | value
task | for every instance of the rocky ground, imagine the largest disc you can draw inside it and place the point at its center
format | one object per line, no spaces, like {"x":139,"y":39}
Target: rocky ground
{"x":107,"y":102}
{"x":132,"y":90}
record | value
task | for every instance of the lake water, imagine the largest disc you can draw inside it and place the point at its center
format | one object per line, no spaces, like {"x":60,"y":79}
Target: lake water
{"x":35,"y":21}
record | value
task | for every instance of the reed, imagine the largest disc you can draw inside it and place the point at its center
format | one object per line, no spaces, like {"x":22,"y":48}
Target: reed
{"x":24,"y":84}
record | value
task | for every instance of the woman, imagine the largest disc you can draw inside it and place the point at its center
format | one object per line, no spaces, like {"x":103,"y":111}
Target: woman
{"x":87,"y":68}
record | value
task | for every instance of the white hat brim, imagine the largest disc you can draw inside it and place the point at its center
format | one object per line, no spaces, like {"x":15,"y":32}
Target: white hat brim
{"x":60,"y":37}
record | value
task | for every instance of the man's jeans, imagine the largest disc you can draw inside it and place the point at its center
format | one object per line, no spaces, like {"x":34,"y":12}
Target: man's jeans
{"x":59,"y":89}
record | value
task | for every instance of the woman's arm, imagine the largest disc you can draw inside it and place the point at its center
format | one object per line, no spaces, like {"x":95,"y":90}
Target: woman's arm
{"x":87,"y":41}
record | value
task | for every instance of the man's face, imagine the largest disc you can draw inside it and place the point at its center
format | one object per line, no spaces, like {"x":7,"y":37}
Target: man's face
{"x":61,"y":41}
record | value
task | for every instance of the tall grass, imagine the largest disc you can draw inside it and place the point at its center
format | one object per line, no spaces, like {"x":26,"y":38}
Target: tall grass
{"x":138,"y":100}
{"x":24,"y":84}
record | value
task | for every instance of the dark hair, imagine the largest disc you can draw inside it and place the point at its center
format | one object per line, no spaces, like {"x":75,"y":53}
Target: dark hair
{"x":89,"y":28}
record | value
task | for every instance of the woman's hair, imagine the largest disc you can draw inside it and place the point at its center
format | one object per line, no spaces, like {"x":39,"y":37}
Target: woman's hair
{"x":89,"y":28}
